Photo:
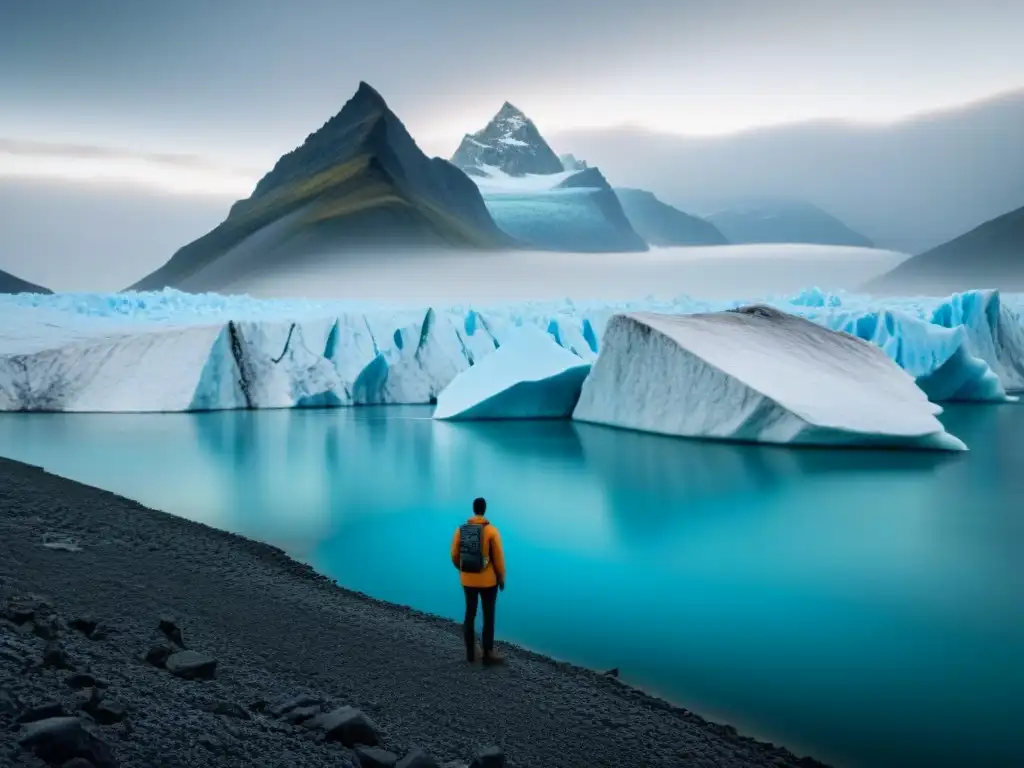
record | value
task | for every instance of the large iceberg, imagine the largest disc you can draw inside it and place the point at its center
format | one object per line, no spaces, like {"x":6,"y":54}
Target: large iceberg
{"x":528,"y":377}
{"x":172,"y":351}
{"x":755,"y":374}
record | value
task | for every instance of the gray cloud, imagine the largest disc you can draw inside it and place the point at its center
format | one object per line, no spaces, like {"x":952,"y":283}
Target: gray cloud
{"x":34,"y":148}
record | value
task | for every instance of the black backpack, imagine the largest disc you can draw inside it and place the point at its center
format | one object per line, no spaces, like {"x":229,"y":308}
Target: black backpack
{"x":471,"y":548}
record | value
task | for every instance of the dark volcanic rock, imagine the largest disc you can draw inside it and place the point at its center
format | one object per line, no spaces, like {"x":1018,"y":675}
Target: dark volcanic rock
{"x":491,"y":757}
{"x":350,"y":726}
{"x":284,"y":707}
{"x":159,"y":654}
{"x":81,"y":680}
{"x":374,"y":757}
{"x":230,"y":709}
{"x":78,"y":762}
{"x":172,"y":632}
{"x":191,"y":665}
{"x":21,"y":610}
{"x":417,"y":758}
{"x":42,"y":712}
{"x":60,"y":739}
{"x":85,"y":624}
{"x":55,"y":657}
{"x":301,"y":714}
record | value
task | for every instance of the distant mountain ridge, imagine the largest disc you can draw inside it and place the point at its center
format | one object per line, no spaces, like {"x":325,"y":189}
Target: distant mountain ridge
{"x":11,"y":284}
{"x":989,"y":256}
{"x":783,"y":221}
{"x":663,"y":225}
{"x":360,"y":181}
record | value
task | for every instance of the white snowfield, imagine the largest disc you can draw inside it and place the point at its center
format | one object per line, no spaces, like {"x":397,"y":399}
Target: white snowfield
{"x":758,"y":375}
{"x":172,"y":351}
{"x":528,"y":377}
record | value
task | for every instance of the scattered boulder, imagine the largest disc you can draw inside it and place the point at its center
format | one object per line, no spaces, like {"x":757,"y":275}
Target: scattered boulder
{"x":9,"y":704}
{"x":57,"y":542}
{"x":159,"y":654}
{"x":192,"y":665}
{"x":85,"y":624}
{"x":80,"y":680}
{"x":20,"y":613}
{"x":417,"y":758}
{"x":230,"y":709}
{"x":58,"y":740}
{"x":613,"y":672}
{"x":281,"y":708}
{"x":490,"y":757}
{"x":374,"y":757}
{"x":211,"y":743}
{"x":172,"y":632}
{"x":47,"y":628}
{"x":42,"y":712}
{"x":100,"y":709}
{"x":55,"y":657}
{"x":301,"y":714}
{"x":350,"y":726}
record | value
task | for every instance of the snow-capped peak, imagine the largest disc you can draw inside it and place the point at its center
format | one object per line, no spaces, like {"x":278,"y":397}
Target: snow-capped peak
{"x":511,"y":142}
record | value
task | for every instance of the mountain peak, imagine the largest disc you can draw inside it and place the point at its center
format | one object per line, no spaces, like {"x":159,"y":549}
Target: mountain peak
{"x":344,"y":135}
{"x":511,"y":142}
{"x":366,"y":92}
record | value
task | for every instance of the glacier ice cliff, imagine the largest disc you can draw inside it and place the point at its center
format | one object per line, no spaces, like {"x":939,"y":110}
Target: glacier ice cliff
{"x":755,"y":374}
{"x":528,"y":377}
{"x":173,"y":351}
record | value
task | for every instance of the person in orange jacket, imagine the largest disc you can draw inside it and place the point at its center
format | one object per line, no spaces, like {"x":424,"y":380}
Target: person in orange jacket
{"x":478,"y":555}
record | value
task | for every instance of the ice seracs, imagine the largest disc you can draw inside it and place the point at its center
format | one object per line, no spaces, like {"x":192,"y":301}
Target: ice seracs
{"x":528,"y":377}
{"x":755,"y":374}
{"x":173,"y":351}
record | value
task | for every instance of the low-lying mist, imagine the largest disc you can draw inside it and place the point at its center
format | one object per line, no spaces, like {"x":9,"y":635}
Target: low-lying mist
{"x":747,"y":271}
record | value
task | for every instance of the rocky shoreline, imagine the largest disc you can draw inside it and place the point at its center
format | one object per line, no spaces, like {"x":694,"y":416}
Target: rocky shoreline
{"x":130,"y":637}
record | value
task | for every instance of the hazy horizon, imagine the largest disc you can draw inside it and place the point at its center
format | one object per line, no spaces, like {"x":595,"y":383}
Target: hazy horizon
{"x":116,"y":149}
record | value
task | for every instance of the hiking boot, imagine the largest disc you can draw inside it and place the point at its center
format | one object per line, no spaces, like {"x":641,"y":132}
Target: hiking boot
{"x":475,"y":655}
{"x":492,"y":659}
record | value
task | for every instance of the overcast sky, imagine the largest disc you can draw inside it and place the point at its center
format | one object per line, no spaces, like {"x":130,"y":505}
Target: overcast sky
{"x":241,"y":81}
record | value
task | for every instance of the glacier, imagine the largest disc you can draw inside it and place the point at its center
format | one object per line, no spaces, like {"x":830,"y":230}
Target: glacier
{"x":755,"y":374}
{"x":529,"y":376}
{"x":173,"y":351}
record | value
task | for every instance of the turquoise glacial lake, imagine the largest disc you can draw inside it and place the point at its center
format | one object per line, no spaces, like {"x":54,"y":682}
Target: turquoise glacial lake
{"x":866,"y":607}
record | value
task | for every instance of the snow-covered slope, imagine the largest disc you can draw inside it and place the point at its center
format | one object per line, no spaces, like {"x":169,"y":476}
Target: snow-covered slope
{"x":567,"y":211}
{"x":172,"y":351}
{"x":528,"y":377}
{"x":755,"y":374}
{"x":531,"y":193}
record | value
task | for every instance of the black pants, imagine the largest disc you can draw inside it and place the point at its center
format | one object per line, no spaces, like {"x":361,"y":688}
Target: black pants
{"x":489,"y":598}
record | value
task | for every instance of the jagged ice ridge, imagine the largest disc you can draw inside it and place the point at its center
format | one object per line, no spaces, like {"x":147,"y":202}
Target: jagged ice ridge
{"x":171,"y":351}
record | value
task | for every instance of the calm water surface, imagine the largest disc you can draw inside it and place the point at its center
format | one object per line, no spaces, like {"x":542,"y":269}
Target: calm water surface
{"x":866,"y":607}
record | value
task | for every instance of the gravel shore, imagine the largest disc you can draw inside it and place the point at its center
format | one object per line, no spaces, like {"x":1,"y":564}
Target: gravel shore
{"x":135,"y":638}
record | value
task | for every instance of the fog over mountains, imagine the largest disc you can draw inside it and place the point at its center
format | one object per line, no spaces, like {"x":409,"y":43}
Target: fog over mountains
{"x":908,"y":186}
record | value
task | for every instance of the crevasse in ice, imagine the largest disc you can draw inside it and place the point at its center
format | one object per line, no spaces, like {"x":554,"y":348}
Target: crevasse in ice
{"x":171,"y":351}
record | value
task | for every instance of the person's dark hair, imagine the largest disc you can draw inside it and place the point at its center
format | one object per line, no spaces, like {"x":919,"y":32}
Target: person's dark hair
{"x":479,"y":506}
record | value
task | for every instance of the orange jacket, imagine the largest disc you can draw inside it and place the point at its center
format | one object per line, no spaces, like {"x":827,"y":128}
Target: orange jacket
{"x":494,"y":570}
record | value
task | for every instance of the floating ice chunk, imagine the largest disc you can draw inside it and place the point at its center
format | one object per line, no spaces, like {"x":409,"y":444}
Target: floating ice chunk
{"x":528,"y":377}
{"x":757,"y":374}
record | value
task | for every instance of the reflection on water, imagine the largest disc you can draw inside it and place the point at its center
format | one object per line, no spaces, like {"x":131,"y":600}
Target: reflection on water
{"x":865,"y":606}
